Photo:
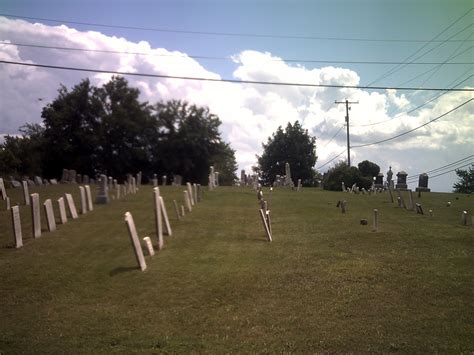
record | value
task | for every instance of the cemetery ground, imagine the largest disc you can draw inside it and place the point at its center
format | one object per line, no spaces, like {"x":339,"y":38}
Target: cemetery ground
{"x":325,"y":284}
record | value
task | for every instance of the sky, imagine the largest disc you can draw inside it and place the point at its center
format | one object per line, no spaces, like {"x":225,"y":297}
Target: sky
{"x":349,"y":43}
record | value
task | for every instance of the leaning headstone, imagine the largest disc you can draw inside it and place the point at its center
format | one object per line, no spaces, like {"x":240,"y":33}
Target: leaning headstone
{"x":3,"y":192}
{"x":103,"y":196}
{"x":35,"y":215}
{"x":158,"y":217}
{"x":137,"y":248}
{"x":50,"y":219}
{"x":26,"y":195}
{"x":16,"y":223}
{"x":71,"y":206}
{"x":190,"y":193}
{"x":149,"y":246}
{"x":187,"y":201}
{"x":38,"y":181}
{"x":62,"y":210}
{"x":83,"y":200}
{"x":410,"y":197}
{"x":265,"y":225}
{"x":165,"y":217}
{"x":90,"y":205}
{"x":419,"y":208}
{"x":176,"y":209}
{"x":375,"y":225}
{"x":423,"y":183}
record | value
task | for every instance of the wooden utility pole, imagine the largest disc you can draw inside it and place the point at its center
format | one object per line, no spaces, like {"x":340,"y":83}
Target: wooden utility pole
{"x":347,"y":125}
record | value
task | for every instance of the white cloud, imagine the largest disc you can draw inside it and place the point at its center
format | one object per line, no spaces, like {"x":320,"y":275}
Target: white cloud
{"x":250,"y":113}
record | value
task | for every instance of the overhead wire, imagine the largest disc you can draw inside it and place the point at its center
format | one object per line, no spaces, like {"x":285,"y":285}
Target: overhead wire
{"x":334,"y":136}
{"x":332,"y":159}
{"x":216,"y":33}
{"x":447,"y":166}
{"x":234,"y":81}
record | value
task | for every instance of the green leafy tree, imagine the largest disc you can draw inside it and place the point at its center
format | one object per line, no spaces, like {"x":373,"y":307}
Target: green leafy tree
{"x":466,"y":181}
{"x":367,"y":168}
{"x":293,"y":145}
{"x":340,"y":173}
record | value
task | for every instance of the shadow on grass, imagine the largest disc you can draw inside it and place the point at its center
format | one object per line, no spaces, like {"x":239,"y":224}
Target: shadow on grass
{"x":122,"y":269}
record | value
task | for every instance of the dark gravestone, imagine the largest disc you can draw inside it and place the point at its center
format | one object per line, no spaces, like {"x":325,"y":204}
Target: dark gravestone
{"x":379,"y":181}
{"x":423,"y":183}
{"x":402,"y":180}
{"x":419,"y":209}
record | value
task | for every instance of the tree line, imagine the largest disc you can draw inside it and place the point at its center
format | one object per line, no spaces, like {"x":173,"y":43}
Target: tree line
{"x":108,"y":130}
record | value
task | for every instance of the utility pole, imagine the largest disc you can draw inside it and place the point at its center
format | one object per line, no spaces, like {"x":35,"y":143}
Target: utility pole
{"x":347,"y":124}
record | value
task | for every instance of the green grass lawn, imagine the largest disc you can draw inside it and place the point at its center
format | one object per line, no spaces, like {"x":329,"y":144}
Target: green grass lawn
{"x":325,"y":284}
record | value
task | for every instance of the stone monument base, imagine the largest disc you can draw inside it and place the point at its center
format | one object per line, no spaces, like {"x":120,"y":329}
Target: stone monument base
{"x":422,"y":189}
{"x":401,"y":186}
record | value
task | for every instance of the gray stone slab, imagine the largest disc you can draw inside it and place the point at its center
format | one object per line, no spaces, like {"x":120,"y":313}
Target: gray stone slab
{"x":90,"y":204}
{"x":16,"y":224}
{"x":62,"y":210}
{"x":35,"y":215}
{"x":3,"y":192}
{"x":158,"y":217}
{"x":50,"y":219}
{"x":165,"y":217}
{"x":187,"y":201}
{"x":149,"y":246}
{"x":265,"y":225}
{"x":71,"y":206}
{"x":26,"y":194}
{"x":82,"y":192}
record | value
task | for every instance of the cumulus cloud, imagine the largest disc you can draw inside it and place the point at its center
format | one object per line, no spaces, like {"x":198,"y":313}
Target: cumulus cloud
{"x":250,"y":112}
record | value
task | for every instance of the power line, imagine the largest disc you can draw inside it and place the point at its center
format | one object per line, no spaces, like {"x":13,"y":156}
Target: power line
{"x":227,"y":34}
{"x":334,"y":136}
{"x":326,"y":163}
{"x":450,"y":165}
{"x":450,"y":171}
{"x":224,"y":58}
{"x":227,"y":80}
{"x":414,"y":129}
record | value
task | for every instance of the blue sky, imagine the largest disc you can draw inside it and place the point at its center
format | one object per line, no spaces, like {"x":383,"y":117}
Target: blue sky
{"x":258,"y":111}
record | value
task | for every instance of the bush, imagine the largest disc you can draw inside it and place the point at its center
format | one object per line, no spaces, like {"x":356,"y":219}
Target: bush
{"x":333,"y":179}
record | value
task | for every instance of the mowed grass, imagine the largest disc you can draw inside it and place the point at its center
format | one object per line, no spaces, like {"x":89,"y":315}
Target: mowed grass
{"x":326,"y":283}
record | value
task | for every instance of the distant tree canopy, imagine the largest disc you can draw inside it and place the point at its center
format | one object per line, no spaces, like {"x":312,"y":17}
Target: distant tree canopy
{"x":340,"y":173}
{"x":465,"y":183}
{"x":367,"y":168}
{"x":293,"y":145}
{"x":108,"y":130}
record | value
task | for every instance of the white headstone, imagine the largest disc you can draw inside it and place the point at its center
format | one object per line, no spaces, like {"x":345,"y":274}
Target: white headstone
{"x":83,"y":200}
{"x":265,"y":225}
{"x":35,"y":215}
{"x":190,"y":193}
{"x":187,"y":201}
{"x":176,"y":209}
{"x":149,"y":246}
{"x":182,"y":211}
{"x":137,"y":248}
{"x":158,"y":221}
{"x":117,"y":192}
{"x":62,"y":210}
{"x":90,"y":205}
{"x":3,"y":192}
{"x":165,"y":217}
{"x":71,"y":206}
{"x":8,"y":203}
{"x":195,"y":191}
{"x":50,"y":219}
{"x":16,"y":223}
{"x":26,"y":194}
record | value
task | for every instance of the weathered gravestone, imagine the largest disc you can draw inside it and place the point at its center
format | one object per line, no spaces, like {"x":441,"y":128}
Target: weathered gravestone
{"x":375,"y":225}
{"x":26,"y":195}
{"x":165,"y":217}
{"x":464,"y":218}
{"x":419,"y":208}
{"x":378,"y":184}
{"x":103,"y":196}
{"x":158,"y":217}
{"x":164,"y":179}
{"x":71,"y":206}
{"x":53,"y":181}
{"x":83,"y":200}
{"x":187,"y":201}
{"x":265,"y":225}
{"x":50,"y":219}
{"x":195,"y":191}
{"x":90,"y":205}
{"x":65,"y":176}
{"x":16,"y":224}
{"x":62,"y":210}
{"x":402,"y":180}
{"x":149,"y":246}
{"x":14,"y":183}
{"x":176,"y":209}
{"x":190,"y":193}
{"x":35,"y":215}
{"x":3,"y":192}
{"x":38,"y":181}
{"x":137,"y":248}
{"x":30,"y":182}
{"x":72,"y":176}
{"x":8,"y":203}
{"x":199,"y":193}
{"x":423,"y":183}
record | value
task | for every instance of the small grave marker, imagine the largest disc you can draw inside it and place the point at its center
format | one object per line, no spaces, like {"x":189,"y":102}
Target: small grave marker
{"x":464,"y":218}
{"x":8,"y":203}
{"x":62,"y":210}
{"x":16,"y":223}
{"x":419,"y":208}
{"x":165,"y":217}
{"x":190,"y":193}
{"x":182,"y":211}
{"x":158,"y":220}
{"x":375,"y":225}
{"x":149,"y":246}
{"x":265,"y":225}
{"x":48,"y":209}
{"x":137,"y":248}
{"x":35,"y":215}
{"x":71,"y":206}
{"x":83,"y":200}
{"x":90,"y":205}
{"x":26,"y":195}
{"x":176,"y":209}
{"x":3,"y":192}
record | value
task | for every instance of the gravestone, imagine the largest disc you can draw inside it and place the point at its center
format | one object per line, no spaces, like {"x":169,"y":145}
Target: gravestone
{"x":8,"y":203}
{"x":103,"y":196}
{"x":464,"y":218}
{"x":378,"y":184}
{"x":195,"y":191}
{"x":177,"y":180}
{"x":90,"y":205}
{"x":65,"y":176}
{"x":288,"y":181}
{"x":401,"y":180}
{"x":72,"y":176}
{"x":35,"y":215}
{"x":3,"y":192}
{"x":79,"y":178}
{"x":137,"y":248}
{"x":163,"y":180}
{"x":83,"y":200}
{"x":53,"y":181}
{"x":149,"y":246}
{"x":423,"y":183}
{"x":190,"y":193}
{"x":299,"y":185}
{"x":14,"y":183}
{"x":85,"y":180}
{"x":401,"y":200}
{"x":410,"y":196}
{"x":216,"y":178}
{"x":62,"y":210}
{"x":117,"y":191}
{"x":134,"y":185}
{"x":242,"y":178}
{"x":158,"y":217}
{"x":375,"y":225}
{"x":265,"y":225}
{"x":45,"y":182}
{"x":165,"y":217}
{"x":419,"y":208}
{"x":389,"y":177}
{"x":139,"y":179}
{"x":155,"y":180}
{"x":16,"y":224}
{"x":389,"y":188}
{"x":30,"y":182}
{"x":71,"y":206}
{"x":26,"y":195}
{"x":176,"y":209}
{"x":187,"y":201}
{"x":38,"y":181}
{"x":115,"y":184}
{"x":50,"y":219}
{"x":182,"y":211}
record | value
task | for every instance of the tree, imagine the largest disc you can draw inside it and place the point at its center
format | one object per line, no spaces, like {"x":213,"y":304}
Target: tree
{"x":466,"y":180}
{"x":340,"y":173}
{"x":293,"y":145}
{"x":367,"y":168}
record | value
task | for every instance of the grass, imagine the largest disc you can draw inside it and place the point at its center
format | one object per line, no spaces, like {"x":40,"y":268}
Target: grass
{"x":326,"y":283}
